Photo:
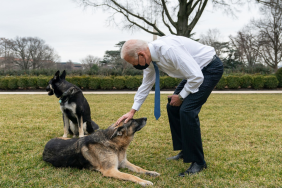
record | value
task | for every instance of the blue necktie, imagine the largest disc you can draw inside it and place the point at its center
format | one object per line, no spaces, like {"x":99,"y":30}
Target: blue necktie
{"x":157,"y":110}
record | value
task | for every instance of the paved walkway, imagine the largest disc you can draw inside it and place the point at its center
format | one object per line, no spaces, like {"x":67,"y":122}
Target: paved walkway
{"x":152,"y":92}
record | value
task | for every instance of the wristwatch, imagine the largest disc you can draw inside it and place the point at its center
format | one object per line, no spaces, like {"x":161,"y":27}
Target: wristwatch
{"x":179,"y":96}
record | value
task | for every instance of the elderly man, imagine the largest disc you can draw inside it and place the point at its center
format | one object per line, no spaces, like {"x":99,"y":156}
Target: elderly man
{"x":200,"y":69}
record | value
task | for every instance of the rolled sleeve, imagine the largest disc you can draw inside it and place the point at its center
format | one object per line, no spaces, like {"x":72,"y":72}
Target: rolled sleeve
{"x":188,"y":67}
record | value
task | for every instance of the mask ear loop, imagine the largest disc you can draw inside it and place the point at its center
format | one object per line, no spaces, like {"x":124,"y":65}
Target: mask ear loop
{"x":145,"y":60}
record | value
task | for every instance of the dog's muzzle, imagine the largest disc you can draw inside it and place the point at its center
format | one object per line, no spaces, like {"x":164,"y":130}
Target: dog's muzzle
{"x":50,"y":90}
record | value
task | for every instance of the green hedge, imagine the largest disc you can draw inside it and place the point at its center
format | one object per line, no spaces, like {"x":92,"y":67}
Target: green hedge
{"x":270,"y":82}
{"x":42,"y":81}
{"x":258,"y":82}
{"x":222,"y":83}
{"x":169,"y":82}
{"x":13,"y":83}
{"x":246,"y":81}
{"x":23,"y":82}
{"x":84,"y":82}
{"x":233,"y":82}
{"x":133,"y":82}
{"x":32,"y":82}
{"x":119,"y":82}
{"x":94,"y":83}
{"x":106,"y":83}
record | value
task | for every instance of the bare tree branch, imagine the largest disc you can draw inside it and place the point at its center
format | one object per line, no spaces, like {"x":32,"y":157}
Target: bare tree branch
{"x":167,"y":13}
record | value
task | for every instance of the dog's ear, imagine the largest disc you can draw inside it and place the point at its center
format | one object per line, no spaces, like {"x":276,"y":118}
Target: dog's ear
{"x":117,"y":132}
{"x":57,"y":74}
{"x":118,"y":129}
{"x":63,"y":75}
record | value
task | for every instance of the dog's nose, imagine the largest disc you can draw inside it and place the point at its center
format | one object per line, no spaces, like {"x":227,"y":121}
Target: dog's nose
{"x":145,"y":118}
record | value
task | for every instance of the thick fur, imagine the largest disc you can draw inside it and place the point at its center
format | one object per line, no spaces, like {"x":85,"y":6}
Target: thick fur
{"x":104,"y":151}
{"x":74,"y":106}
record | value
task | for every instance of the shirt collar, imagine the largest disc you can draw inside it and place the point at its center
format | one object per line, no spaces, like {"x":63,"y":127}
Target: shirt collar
{"x":153,"y":53}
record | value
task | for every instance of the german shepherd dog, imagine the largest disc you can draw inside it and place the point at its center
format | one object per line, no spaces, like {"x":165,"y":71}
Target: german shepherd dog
{"x":74,"y":106}
{"x":104,"y":151}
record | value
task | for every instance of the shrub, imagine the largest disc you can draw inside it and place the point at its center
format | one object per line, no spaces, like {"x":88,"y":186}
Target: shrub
{"x":13,"y":83}
{"x":4,"y":83}
{"x":177,"y":82}
{"x":222,"y":83}
{"x":23,"y":82}
{"x":169,"y":82}
{"x":233,"y":82}
{"x":75,"y":80}
{"x":84,"y":82}
{"x":246,"y":81}
{"x":42,"y":81}
{"x":161,"y":83}
{"x":270,"y":82}
{"x":258,"y":82}
{"x":119,"y":82}
{"x":279,"y":76}
{"x":106,"y":83}
{"x":94,"y":83}
{"x":132,"y":82}
{"x":32,"y":82}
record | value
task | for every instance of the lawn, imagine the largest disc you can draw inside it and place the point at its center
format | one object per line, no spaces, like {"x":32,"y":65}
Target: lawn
{"x":242,"y":139}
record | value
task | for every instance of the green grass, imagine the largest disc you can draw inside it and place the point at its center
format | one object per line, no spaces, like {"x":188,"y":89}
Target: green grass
{"x":242,"y":139}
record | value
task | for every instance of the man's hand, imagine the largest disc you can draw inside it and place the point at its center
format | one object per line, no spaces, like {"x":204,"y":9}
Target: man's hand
{"x":128,"y":116}
{"x":175,"y":101}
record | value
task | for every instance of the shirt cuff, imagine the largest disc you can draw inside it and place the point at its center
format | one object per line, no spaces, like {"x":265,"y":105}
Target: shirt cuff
{"x":136,"y":106}
{"x":184,"y":93}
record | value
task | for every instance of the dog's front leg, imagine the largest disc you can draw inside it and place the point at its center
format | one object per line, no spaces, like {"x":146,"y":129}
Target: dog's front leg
{"x":80,"y":125}
{"x":66,"y":125}
{"x":115,"y":173}
{"x":138,"y":169}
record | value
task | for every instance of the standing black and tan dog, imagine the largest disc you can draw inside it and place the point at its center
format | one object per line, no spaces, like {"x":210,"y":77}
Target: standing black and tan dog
{"x":104,"y":151}
{"x":74,"y":106}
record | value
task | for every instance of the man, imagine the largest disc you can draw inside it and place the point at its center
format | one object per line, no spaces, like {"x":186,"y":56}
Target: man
{"x":200,"y":69}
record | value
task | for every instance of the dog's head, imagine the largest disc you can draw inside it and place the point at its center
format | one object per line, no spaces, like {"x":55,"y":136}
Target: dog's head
{"x":55,"y":85}
{"x":124,"y":132}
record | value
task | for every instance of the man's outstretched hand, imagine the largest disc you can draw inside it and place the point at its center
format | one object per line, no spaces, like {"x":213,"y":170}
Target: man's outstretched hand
{"x":128,"y":116}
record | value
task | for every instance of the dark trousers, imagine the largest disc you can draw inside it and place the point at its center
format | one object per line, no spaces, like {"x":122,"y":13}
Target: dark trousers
{"x":184,"y":119}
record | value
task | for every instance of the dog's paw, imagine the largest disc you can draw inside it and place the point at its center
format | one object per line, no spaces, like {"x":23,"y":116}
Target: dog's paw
{"x":80,"y":136}
{"x":65,"y":136}
{"x":145,"y":183}
{"x":152,"y":173}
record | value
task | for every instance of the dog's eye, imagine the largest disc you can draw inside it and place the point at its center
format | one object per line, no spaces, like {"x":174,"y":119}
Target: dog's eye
{"x":119,"y":133}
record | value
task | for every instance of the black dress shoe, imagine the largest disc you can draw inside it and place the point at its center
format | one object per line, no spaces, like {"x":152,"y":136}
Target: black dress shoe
{"x":176,"y":157}
{"x":193,"y":169}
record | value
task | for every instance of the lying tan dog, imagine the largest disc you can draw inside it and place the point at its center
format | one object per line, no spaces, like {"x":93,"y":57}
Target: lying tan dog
{"x":104,"y":151}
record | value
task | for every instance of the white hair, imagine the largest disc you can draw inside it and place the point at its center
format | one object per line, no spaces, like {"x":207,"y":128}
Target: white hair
{"x":132,"y":47}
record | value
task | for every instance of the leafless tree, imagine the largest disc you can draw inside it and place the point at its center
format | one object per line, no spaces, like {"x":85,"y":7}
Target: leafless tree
{"x":247,"y":46}
{"x":6,"y":55}
{"x":22,"y":56}
{"x":213,"y":38}
{"x":32,"y":53}
{"x":43,"y":56}
{"x":270,"y":33}
{"x":89,"y":61}
{"x":179,"y":17}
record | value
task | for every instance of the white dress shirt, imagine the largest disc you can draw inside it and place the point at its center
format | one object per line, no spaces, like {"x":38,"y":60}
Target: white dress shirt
{"x":179,"y":57}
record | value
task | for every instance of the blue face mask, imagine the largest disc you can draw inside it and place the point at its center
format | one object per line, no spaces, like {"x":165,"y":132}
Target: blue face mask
{"x":141,"y":67}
